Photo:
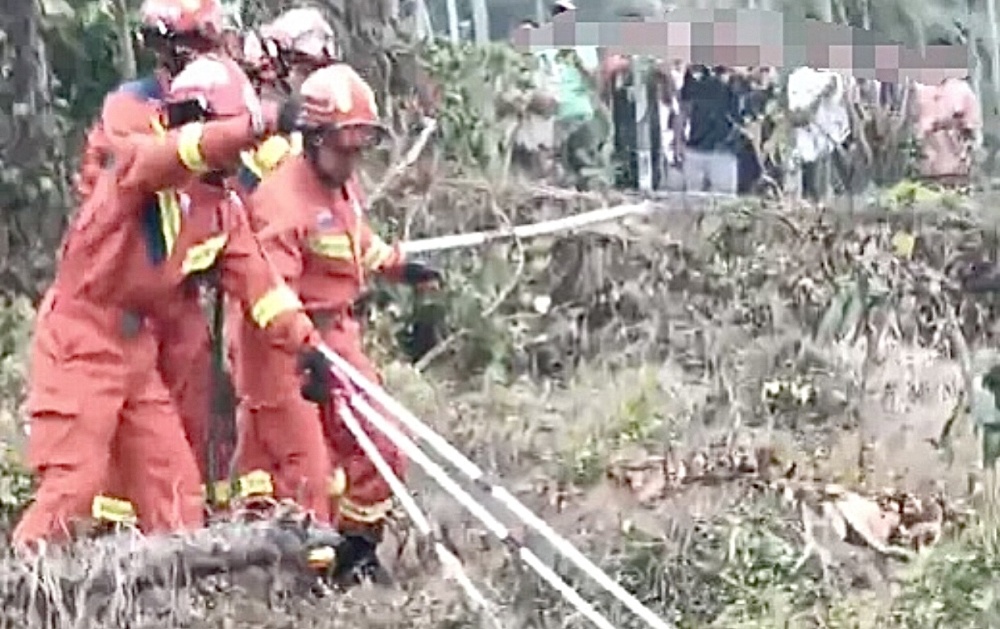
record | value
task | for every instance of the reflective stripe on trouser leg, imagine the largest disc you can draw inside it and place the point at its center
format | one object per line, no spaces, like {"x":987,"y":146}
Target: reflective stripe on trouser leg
{"x":291,"y":434}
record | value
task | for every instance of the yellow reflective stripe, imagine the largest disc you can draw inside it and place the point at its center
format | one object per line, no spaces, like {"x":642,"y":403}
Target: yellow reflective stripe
{"x":222,"y":491}
{"x":253,"y":484}
{"x":321,"y":557}
{"x":188,"y":148}
{"x":274,"y":302}
{"x":366,"y":514}
{"x":108,"y":509}
{"x":378,"y":253}
{"x":170,"y":217}
{"x":335,"y":246}
{"x":203,"y":255}
{"x":338,"y":483}
{"x":256,"y":483}
{"x":158,"y":128}
{"x":271,"y":152}
{"x":249,"y":160}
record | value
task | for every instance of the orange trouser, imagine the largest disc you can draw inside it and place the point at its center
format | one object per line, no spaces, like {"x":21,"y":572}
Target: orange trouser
{"x":185,"y":364}
{"x":184,"y":361}
{"x":286,"y":435}
{"x":94,"y":391}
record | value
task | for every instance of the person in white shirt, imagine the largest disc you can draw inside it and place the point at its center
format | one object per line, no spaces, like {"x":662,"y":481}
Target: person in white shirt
{"x":818,"y":109}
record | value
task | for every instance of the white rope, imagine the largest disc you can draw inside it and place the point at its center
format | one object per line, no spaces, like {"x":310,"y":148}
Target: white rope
{"x":566,"y":223}
{"x":474,"y":473}
{"x":452,"y":566}
{"x":435,"y":471}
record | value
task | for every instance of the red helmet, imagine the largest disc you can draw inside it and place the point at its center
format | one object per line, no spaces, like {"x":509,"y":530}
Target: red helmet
{"x":202,"y":18}
{"x":218,"y":84}
{"x":303,"y":35}
{"x":336,"y":96}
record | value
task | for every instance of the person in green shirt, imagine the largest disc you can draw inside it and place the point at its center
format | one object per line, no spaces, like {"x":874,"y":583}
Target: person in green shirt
{"x":573,"y":72}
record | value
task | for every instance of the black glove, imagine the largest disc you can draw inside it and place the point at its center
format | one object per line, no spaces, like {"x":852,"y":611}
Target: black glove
{"x":317,"y":379}
{"x":358,"y":562}
{"x":290,"y":115}
{"x":419,"y":273}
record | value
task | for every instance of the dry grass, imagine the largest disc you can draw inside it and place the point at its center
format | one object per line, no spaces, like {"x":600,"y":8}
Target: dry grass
{"x":667,"y":340}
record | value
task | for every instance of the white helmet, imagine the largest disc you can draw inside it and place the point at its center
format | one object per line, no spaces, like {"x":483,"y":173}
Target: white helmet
{"x":303,"y":31}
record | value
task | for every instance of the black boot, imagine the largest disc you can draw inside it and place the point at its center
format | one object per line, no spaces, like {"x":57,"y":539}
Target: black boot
{"x":357,"y":562}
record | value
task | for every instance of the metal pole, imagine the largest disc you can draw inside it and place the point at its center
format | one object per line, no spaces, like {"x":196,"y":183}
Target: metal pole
{"x":452,"y":21}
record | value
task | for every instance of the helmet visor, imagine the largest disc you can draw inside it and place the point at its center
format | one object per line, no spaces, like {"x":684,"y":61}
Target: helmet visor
{"x":354,"y":137}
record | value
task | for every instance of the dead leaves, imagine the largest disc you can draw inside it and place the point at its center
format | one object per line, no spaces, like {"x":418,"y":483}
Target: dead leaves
{"x":892,"y":522}
{"x":650,"y":477}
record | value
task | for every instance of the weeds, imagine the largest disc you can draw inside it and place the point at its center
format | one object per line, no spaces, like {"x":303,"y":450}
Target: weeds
{"x":649,"y":347}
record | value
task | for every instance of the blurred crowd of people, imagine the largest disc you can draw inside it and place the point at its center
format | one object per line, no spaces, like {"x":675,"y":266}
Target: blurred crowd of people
{"x":669,"y":125}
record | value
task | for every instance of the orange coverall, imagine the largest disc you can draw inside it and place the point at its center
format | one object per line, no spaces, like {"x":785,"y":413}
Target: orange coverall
{"x":256,"y":164}
{"x":94,"y":387}
{"x":181,"y":331}
{"x":324,"y":248}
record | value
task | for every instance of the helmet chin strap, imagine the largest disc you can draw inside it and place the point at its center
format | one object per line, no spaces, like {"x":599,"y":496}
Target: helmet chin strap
{"x":311,"y":150}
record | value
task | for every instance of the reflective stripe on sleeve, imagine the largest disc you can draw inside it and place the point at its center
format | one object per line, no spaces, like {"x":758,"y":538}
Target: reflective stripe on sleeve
{"x":274,"y":303}
{"x":189,"y":149}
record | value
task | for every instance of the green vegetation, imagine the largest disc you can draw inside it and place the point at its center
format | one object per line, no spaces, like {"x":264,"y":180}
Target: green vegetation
{"x":559,"y":361}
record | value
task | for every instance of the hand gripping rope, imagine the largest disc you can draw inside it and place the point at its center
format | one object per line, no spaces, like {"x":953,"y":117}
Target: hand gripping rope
{"x":452,"y":566}
{"x":340,"y":367}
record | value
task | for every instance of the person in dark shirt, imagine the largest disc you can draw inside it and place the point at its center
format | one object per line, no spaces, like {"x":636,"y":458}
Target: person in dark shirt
{"x":755,"y":92}
{"x":710,"y":108}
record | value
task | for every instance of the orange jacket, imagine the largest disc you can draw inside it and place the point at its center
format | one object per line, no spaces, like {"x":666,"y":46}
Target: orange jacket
{"x":320,"y":242}
{"x":149,"y":224}
{"x":319,"y":239}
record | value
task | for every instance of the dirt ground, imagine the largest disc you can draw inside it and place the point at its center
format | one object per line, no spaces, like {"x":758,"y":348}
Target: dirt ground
{"x":665,"y":341}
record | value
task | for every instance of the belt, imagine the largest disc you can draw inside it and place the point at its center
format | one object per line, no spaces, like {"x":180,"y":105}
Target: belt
{"x":327,"y":318}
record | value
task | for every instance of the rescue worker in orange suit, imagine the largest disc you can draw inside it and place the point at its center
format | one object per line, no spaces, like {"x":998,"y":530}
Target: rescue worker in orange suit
{"x":315,"y":231}
{"x":288,"y":50}
{"x":175,"y":31}
{"x":157,"y":217}
{"x":294,"y":45}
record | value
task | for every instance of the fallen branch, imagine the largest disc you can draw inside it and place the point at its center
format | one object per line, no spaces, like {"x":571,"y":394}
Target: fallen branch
{"x":103,"y":577}
{"x":408,"y":160}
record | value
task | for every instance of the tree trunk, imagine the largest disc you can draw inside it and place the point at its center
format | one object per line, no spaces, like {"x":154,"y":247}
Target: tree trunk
{"x":126,"y":52}
{"x":32,"y":154}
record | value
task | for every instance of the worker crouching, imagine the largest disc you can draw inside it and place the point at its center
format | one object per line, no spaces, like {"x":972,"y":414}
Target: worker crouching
{"x":314,"y":229}
{"x":153,"y":220}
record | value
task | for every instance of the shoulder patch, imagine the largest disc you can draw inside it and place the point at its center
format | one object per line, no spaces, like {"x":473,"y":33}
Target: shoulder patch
{"x":325,"y":220}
